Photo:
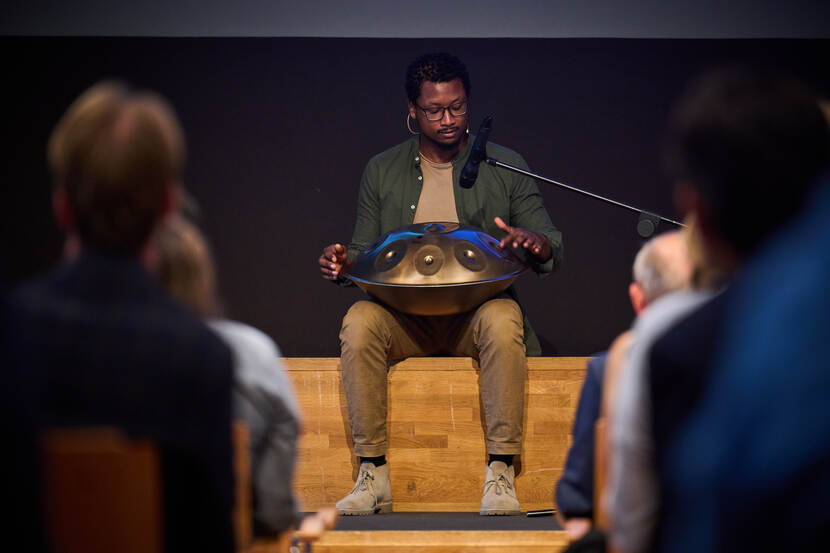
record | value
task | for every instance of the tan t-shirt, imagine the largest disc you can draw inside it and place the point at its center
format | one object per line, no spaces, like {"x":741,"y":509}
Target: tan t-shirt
{"x":437,"y":201}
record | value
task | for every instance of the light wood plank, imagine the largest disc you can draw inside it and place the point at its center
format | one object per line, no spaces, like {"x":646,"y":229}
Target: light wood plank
{"x":436,"y":437}
{"x":442,"y":542}
{"x":391,"y":541}
{"x":576,"y":364}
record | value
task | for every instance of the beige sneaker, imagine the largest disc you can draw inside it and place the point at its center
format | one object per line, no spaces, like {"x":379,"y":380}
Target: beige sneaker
{"x":372,"y":493}
{"x":499,"y":491}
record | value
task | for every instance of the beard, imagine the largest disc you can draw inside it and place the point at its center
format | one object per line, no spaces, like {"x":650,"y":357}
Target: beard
{"x":455,"y":144}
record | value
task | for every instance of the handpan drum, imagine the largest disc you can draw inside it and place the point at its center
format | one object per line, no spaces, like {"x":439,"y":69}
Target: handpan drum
{"x":435,"y":268}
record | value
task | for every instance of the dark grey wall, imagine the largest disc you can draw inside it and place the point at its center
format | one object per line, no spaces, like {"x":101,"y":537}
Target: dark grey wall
{"x":279,"y":131}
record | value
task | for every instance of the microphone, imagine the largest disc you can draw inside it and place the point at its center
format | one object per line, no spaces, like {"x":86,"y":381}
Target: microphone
{"x":479,"y":153}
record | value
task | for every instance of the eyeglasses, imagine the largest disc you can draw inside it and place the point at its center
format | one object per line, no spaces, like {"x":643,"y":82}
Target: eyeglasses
{"x":436,"y":114}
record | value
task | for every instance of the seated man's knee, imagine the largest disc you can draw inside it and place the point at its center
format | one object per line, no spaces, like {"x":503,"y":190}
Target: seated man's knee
{"x":365,"y":322}
{"x":500,"y":321}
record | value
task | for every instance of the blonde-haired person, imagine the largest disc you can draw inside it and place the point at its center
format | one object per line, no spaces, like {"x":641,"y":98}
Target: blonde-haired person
{"x":107,"y":345}
{"x":262,"y":395}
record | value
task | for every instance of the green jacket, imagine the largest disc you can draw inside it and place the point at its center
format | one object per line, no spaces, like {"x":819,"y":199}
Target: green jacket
{"x":391,"y":186}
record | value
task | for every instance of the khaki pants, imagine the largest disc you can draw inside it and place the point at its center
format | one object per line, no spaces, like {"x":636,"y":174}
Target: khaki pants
{"x":374,"y":336}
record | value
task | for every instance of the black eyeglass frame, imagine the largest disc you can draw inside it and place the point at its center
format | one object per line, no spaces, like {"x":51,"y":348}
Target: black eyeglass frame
{"x":444,"y":109}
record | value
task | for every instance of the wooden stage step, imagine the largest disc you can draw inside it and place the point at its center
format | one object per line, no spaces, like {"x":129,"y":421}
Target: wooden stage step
{"x":452,"y":541}
{"x":436,"y":444}
{"x":448,"y":541}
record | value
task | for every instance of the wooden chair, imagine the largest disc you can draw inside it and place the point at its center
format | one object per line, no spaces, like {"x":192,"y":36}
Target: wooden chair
{"x":600,"y":473}
{"x":102,"y":491}
{"x":243,"y":502}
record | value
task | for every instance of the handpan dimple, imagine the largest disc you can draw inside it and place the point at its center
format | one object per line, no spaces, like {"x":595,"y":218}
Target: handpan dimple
{"x":470,"y":256}
{"x":390,"y":256}
{"x":428,"y":260}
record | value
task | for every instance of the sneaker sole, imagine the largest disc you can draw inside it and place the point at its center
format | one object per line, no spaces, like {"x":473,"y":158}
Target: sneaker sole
{"x":499,"y":512}
{"x":378,"y":510}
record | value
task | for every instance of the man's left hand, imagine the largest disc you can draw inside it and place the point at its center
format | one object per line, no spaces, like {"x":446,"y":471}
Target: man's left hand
{"x":535,"y":243}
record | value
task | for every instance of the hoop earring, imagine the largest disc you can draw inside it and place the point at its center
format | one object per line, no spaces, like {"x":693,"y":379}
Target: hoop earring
{"x":409,"y":125}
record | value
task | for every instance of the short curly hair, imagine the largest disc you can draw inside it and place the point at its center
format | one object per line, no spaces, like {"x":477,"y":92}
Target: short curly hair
{"x":440,"y":67}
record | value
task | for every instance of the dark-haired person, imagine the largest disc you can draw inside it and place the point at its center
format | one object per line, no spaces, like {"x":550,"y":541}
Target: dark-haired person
{"x":106,"y":345}
{"x":745,"y":149}
{"x":418,"y":181}
{"x":750,"y":470}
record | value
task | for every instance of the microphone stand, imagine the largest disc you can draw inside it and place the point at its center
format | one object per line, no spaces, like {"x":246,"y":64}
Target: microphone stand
{"x":646,"y":225}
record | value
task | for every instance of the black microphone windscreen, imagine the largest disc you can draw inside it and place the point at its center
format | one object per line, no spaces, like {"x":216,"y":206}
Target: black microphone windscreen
{"x":478,"y":154}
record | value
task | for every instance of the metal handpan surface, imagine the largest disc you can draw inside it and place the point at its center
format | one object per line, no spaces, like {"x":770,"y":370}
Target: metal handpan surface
{"x":435,"y":268}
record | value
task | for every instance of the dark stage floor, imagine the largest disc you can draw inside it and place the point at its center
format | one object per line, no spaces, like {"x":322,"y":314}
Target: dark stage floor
{"x":446,"y":521}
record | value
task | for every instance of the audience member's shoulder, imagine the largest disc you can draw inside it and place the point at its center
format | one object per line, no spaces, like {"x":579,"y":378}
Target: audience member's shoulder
{"x":668,"y":308}
{"x":131,"y":310}
{"x":181,"y":322}
{"x":702,"y":321}
{"x":794,"y":260}
{"x":245,"y":336}
{"x":790,"y":274}
{"x":257,"y":361}
{"x":596,"y":366}
{"x":35,"y":288}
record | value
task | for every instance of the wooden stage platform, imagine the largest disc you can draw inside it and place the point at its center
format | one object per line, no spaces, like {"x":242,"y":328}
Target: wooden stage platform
{"x":436,"y":451}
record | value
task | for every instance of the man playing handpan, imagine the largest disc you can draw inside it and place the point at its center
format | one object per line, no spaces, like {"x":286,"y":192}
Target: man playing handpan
{"x":418,"y":181}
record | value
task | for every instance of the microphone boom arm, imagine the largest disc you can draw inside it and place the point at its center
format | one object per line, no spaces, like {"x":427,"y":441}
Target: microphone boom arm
{"x":655,"y":217}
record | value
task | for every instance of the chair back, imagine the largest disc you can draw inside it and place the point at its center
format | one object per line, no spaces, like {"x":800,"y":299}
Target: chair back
{"x":102,"y":492}
{"x":243,"y":502}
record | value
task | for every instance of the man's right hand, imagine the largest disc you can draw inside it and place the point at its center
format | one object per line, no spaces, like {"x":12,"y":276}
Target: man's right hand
{"x":333,"y":260}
